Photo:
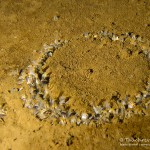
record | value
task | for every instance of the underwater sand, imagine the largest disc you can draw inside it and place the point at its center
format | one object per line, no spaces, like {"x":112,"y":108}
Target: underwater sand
{"x":86,"y":77}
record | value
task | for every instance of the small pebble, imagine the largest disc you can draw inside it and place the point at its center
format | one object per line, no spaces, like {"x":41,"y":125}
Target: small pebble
{"x":56,"y":18}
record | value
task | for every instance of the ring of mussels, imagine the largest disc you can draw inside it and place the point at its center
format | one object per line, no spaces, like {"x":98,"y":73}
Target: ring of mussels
{"x":34,"y":82}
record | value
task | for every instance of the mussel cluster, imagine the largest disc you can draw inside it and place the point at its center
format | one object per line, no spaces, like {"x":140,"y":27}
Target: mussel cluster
{"x":34,"y":81}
